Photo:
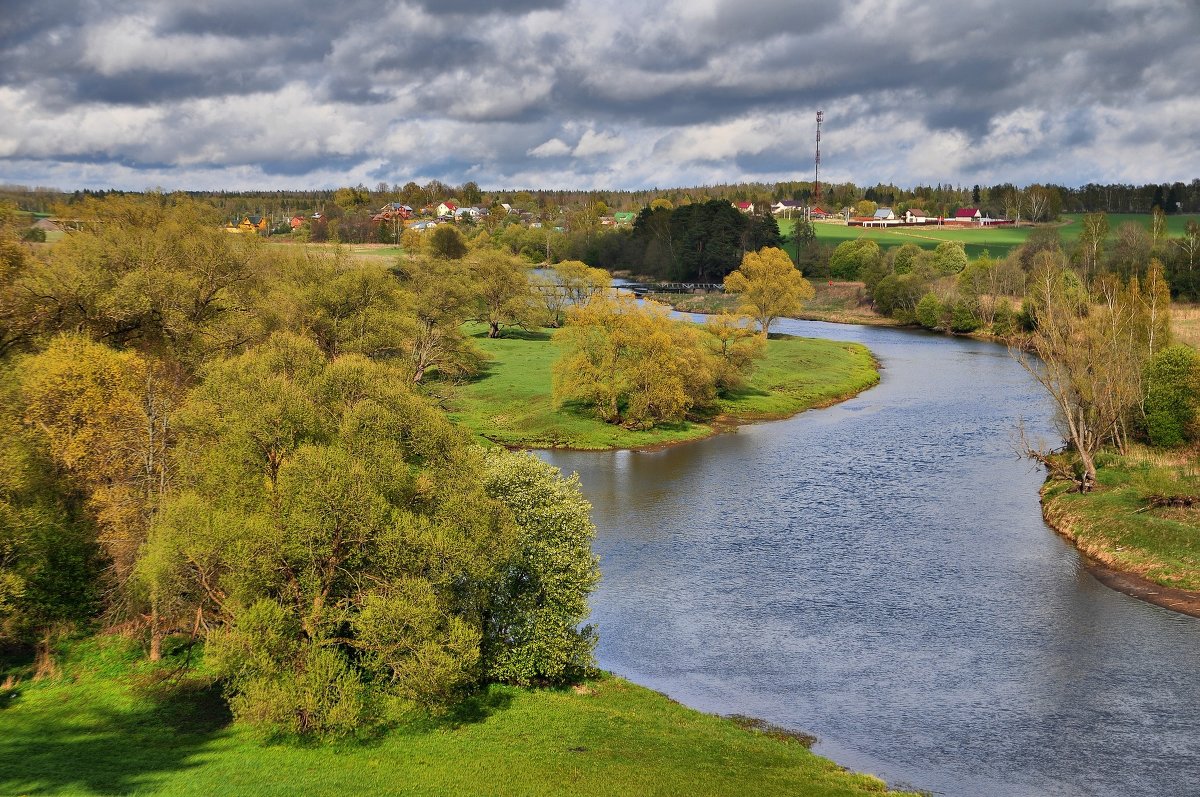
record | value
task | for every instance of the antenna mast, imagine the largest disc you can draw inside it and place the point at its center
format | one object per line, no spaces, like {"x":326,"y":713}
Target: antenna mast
{"x":816,"y":192}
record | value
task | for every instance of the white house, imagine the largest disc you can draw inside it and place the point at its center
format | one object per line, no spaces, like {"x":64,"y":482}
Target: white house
{"x":915,"y":216}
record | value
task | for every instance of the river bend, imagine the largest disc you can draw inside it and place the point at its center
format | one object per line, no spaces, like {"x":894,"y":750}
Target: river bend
{"x":878,"y":574}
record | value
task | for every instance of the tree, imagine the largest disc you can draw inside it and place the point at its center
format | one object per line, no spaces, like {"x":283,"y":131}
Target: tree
{"x":347,"y":548}
{"x":1090,"y":359}
{"x":106,"y":418}
{"x":632,"y":363}
{"x":949,"y":257}
{"x":446,"y":243}
{"x":1092,"y":236}
{"x":49,"y":565}
{"x":852,"y":258}
{"x":538,"y":630}
{"x":735,"y":346}
{"x":439,"y":300}
{"x":501,"y":291}
{"x":770,"y":286}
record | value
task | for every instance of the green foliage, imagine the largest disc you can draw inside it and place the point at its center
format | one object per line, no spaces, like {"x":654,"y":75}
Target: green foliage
{"x":536,"y":629}
{"x":355,"y":553}
{"x":904,"y":257}
{"x":853,"y":258}
{"x":632,"y":364}
{"x":769,"y":286}
{"x":1172,"y":402}
{"x":929,"y":311}
{"x":963,"y":318}
{"x":949,"y":258}
{"x":446,"y":243}
{"x":49,"y":565}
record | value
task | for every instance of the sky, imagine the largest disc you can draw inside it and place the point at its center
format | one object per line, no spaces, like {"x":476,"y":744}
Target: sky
{"x":274,"y":94}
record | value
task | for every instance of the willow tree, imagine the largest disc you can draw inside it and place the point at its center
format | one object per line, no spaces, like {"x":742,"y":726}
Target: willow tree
{"x":770,"y":286}
{"x":632,"y":363}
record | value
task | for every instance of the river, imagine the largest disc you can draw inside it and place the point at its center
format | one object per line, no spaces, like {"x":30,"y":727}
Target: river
{"x":878,"y":574}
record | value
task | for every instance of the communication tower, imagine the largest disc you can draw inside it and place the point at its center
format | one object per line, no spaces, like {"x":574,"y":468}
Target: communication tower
{"x":816,"y":192}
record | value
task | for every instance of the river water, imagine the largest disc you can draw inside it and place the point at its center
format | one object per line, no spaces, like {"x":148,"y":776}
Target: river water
{"x":878,"y":574}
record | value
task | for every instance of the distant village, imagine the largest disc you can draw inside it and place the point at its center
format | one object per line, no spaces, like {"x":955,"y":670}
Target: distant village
{"x":405,"y":217}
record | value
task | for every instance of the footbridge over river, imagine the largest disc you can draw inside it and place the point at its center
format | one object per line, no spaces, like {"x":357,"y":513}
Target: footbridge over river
{"x":644,"y":288}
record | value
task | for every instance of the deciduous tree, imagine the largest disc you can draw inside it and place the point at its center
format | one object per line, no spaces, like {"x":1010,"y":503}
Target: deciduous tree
{"x":770,"y":286}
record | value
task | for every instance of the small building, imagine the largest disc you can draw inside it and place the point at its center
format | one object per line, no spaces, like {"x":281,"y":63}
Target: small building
{"x":745,"y":207}
{"x":248,"y":224}
{"x":968,"y":214}
{"x":296,"y":222}
{"x":816,"y":212}
{"x":789,"y":207}
{"x":447,"y":208}
{"x":915,"y":216}
{"x":884,"y":214}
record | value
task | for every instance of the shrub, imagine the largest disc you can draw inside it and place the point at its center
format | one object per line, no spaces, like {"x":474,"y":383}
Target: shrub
{"x":929,"y":311}
{"x":1172,"y":386}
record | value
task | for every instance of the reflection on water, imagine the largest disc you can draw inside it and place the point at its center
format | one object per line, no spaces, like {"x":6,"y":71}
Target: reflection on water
{"x":878,"y":574}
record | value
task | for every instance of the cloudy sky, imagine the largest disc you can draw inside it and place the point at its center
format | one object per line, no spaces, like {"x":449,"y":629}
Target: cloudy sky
{"x":589,"y":94}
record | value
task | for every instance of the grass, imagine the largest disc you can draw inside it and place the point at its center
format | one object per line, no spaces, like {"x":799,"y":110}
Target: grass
{"x":997,"y":241}
{"x":510,"y":402}
{"x":1117,"y":524}
{"x":113,"y":725}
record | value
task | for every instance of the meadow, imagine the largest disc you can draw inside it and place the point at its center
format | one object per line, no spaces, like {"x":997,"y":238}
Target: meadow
{"x":111,"y":724}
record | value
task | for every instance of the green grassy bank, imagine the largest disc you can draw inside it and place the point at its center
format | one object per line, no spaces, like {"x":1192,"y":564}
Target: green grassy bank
{"x":510,"y":402}
{"x":1129,"y":523}
{"x":111,"y":724}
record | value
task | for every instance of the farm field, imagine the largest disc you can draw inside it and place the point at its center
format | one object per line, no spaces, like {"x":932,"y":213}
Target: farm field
{"x":996,"y":241}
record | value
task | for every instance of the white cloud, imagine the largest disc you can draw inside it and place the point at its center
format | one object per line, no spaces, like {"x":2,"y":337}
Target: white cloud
{"x":553,"y":148}
{"x":593,"y":144}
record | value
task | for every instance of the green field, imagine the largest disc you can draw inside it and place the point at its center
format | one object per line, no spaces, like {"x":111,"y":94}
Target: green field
{"x":112,"y":724}
{"x":997,"y":241}
{"x":510,"y":402}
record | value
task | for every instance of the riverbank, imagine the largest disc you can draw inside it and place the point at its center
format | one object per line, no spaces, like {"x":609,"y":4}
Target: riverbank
{"x":510,"y":403}
{"x":112,"y":723}
{"x":835,"y":302}
{"x":1137,"y":528}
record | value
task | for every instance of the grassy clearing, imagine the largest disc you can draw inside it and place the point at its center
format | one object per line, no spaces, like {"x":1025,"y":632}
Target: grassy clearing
{"x":112,"y":725}
{"x":1118,"y":525}
{"x":510,"y":402}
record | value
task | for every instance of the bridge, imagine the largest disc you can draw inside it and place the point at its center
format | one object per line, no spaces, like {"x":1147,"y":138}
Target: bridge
{"x":644,"y":288}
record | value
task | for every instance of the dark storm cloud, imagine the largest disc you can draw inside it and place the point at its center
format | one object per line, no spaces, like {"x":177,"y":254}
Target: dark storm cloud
{"x":578,"y":92}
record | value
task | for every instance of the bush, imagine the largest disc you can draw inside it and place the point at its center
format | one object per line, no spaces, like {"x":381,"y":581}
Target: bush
{"x":1172,"y":386}
{"x":963,"y":318}
{"x":1004,"y":322}
{"x":929,"y":311}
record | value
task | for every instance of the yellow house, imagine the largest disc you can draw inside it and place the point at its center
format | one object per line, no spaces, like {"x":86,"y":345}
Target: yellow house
{"x":252,"y":224}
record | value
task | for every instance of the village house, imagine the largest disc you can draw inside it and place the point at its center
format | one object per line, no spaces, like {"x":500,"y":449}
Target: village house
{"x":915,"y":216}
{"x":745,"y":207}
{"x":791,"y":207}
{"x":248,"y":224}
{"x":447,"y":208}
